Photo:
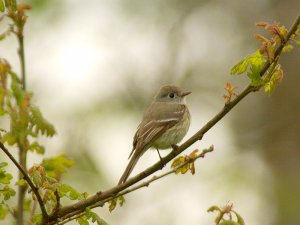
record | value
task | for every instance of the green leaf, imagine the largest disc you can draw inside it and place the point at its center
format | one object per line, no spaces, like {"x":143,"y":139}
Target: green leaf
{"x":21,"y":182}
{"x":95,"y":218}
{"x":214,"y":208}
{"x":112,"y":204}
{"x":9,"y":138}
{"x":5,"y":177}
{"x":3,"y":211}
{"x":37,"y":218}
{"x":256,"y":58}
{"x":7,"y":192}
{"x":36,"y":147}
{"x":121,"y":200}
{"x":254,"y":75}
{"x":57,"y":165}
{"x":40,"y":124}
{"x":287,"y":48}
{"x":2,"y":8}
{"x":274,"y":80}
{"x":3,"y":164}
{"x":82,"y":221}
{"x":65,"y":190}
{"x":240,"y":220}
{"x":36,"y":178}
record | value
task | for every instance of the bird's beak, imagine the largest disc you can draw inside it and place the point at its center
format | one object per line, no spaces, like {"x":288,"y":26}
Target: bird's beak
{"x":185,"y":93}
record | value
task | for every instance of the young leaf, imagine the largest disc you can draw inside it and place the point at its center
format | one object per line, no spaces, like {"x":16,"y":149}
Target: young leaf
{"x":37,"y":148}
{"x":82,"y":221}
{"x":254,"y":75}
{"x":40,"y":123}
{"x":3,"y":211}
{"x":21,"y":182}
{"x":57,"y":165}
{"x":287,"y":48}
{"x":2,"y":6}
{"x":65,"y":190}
{"x":7,"y":192}
{"x":112,"y":204}
{"x":95,"y":218}
{"x":256,"y":58}
{"x":240,"y":220}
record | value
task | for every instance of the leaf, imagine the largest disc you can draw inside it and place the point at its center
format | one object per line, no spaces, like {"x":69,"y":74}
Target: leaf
{"x":36,"y":147}
{"x":95,"y":218}
{"x":254,"y":75}
{"x":5,"y":177}
{"x":65,"y":190}
{"x":37,"y":218}
{"x":240,"y":220}
{"x":275,"y":79}
{"x":112,"y":204}
{"x":3,"y":211}
{"x":3,"y":164}
{"x":9,"y":138}
{"x":287,"y":48}
{"x":2,"y":8}
{"x":178,"y":161}
{"x":214,"y":208}
{"x":256,"y":58}
{"x":82,"y":221}
{"x":36,"y":178}
{"x":55,"y":166}
{"x":21,"y":182}
{"x":7,"y":192}
{"x":40,"y":124}
{"x":121,"y":200}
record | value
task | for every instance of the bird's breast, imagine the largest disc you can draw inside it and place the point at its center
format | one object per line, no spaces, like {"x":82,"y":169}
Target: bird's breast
{"x":175,"y":134}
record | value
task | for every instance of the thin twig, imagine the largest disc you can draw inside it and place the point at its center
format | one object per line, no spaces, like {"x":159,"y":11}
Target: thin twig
{"x":27,"y":178}
{"x":103,"y":196}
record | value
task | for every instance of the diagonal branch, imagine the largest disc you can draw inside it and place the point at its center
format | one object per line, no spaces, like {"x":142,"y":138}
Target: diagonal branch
{"x":28,"y":180}
{"x":80,"y":213}
{"x":104,"y":196}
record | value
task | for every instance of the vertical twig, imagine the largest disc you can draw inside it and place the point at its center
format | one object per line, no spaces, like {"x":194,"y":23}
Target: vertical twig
{"x":19,"y":19}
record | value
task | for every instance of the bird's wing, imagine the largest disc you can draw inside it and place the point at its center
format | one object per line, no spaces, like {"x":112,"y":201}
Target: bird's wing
{"x":157,"y":120}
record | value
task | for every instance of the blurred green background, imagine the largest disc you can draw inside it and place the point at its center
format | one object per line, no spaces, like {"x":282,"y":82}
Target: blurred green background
{"x":95,"y":65}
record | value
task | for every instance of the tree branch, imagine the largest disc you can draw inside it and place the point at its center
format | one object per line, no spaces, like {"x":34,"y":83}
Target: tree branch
{"x":104,"y":196}
{"x":27,"y":178}
{"x":81,"y":212}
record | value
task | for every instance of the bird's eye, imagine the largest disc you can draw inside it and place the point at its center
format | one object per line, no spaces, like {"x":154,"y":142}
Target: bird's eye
{"x":171,"y":95}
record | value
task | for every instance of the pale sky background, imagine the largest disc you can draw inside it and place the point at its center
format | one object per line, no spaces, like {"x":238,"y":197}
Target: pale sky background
{"x":86,"y":53}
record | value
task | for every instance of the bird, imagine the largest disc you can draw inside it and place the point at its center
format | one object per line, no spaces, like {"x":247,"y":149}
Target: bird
{"x":164,"y":124}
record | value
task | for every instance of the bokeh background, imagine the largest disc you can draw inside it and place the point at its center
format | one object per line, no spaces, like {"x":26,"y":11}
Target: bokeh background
{"x":95,"y":65}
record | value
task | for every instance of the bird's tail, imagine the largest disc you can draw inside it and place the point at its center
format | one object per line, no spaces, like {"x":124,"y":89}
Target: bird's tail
{"x":130,"y":166}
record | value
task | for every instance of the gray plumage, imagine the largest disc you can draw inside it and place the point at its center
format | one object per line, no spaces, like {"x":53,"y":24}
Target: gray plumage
{"x":164,"y":124}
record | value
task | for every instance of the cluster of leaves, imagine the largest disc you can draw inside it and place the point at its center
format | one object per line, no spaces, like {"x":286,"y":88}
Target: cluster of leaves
{"x":6,"y":192}
{"x":185,"y":163}
{"x":254,"y":63}
{"x":46,"y":178}
{"x":225,"y":215}
{"x":25,"y":124}
{"x":26,"y":120}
